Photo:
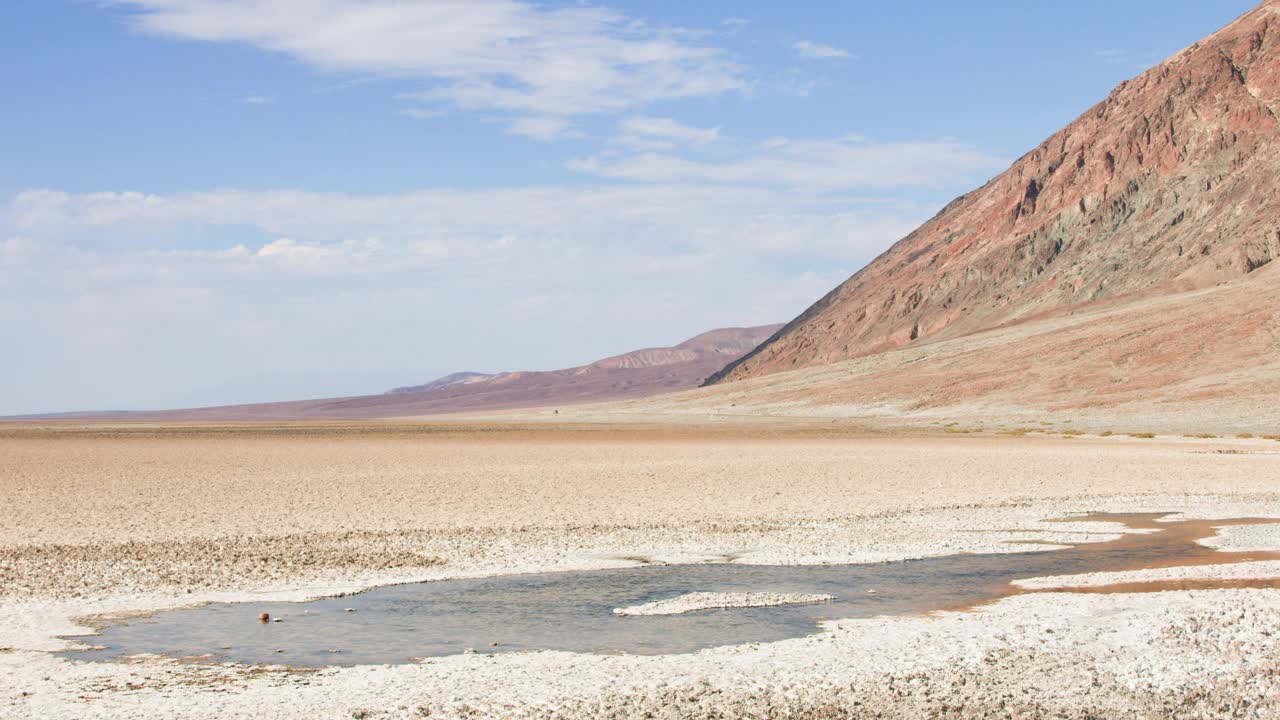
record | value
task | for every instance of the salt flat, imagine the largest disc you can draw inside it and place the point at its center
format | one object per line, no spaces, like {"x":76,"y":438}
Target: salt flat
{"x":105,"y":519}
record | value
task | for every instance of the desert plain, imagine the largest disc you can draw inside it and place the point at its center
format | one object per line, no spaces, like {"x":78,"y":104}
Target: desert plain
{"x":108,"y":521}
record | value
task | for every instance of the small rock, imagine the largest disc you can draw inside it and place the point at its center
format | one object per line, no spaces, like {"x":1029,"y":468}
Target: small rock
{"x":277,"y":620}
{"x":348,"y":609}
{"x":264,"y":617}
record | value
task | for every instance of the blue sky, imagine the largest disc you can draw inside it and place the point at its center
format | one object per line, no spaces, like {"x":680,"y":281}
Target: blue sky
{"x":215,"y":201}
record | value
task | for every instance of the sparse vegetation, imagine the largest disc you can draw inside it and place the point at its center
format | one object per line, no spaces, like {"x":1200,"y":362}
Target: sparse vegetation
{"x":1143,"y":436}
{"x":1072,"y":433}
{"x":1106,"y":433}
{"x":1245,"y":436}
{"x":1202,"y":436}
{"x":1271,"y":437}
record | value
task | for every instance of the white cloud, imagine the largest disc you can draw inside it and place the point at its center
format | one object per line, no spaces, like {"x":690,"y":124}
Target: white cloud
{"x":659,"y":133}
{"x":388,"y":232}
{"x":13,"y":249}
{"x":287,"y":248}
{"x":38,"y":207}
{"x":257,"y":100}
{"x":818,"y":51}
{"x":817,"y":165}
{"x":504,"y":55}
{"x":540,"y":128}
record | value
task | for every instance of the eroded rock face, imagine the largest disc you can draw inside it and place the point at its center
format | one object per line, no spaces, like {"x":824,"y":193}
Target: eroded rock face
{"x":1167,"y":185}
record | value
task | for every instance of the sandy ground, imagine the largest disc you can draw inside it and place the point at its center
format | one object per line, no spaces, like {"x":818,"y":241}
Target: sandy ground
{"x":113,"y":521}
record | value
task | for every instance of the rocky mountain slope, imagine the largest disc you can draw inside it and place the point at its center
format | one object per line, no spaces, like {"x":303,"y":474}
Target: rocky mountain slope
{"x":1192,"y":362}
{"x":1166,"y":186}
{"x":632,"y":375}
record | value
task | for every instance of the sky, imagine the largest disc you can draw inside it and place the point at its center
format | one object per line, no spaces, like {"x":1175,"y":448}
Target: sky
{"x":222,"y":201}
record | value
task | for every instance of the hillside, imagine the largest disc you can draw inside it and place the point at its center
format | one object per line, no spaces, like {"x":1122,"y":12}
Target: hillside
{"x":1193,"y":362}
{"x":1166,"y":186}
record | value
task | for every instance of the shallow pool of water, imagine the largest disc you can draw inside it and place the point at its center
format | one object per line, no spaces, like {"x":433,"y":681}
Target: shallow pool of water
{"x":573,"y":611}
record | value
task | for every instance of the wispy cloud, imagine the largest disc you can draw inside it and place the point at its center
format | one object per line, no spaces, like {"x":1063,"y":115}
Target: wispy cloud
{"x":546,"y":127}
{"x":660,"y":133}
{"x":815,"y":165}
{"x":495,"y":55}
{"x":257,"y":100}
{"x":818,"y":51}
{"x":12,"y":249}
{"x":411,"y":231}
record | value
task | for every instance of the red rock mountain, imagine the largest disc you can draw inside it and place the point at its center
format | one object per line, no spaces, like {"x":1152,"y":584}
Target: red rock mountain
{"x":1168,"y":185}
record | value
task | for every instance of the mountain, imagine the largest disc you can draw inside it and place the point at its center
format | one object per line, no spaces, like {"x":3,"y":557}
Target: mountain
{"x":1166,"y":186}
{"x":448,"y":381}
{"x":632,"y":375}
{"x":635,"y":374}
{"x":698,"y":356}
{"x":1188,"y":362}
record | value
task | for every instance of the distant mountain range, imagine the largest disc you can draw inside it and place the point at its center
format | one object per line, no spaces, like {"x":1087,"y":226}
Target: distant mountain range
{"x":631,"y":375}
{"x":448,"y":381}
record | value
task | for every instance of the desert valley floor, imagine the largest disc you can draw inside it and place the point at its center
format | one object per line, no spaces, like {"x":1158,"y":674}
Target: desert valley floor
{"x":115,"y":520}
